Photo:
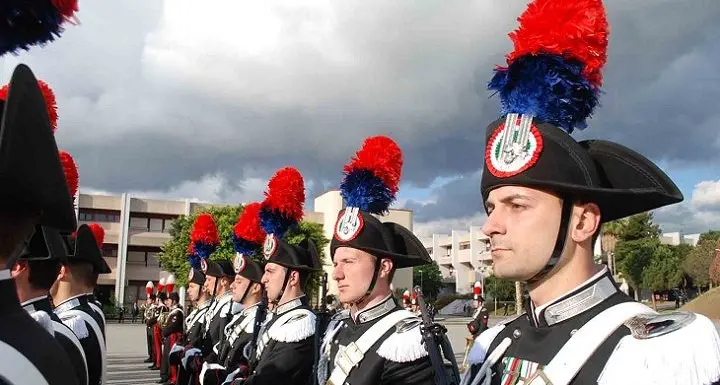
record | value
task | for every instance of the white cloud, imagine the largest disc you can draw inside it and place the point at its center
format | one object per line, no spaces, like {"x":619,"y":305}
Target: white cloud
{"x":707,"y":194}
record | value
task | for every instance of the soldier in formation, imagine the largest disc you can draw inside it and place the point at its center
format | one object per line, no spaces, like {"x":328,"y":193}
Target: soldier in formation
{"x":546,"y":196}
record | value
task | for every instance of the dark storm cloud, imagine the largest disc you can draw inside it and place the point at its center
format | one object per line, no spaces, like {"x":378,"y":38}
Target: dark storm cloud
{"x":145,"y":106}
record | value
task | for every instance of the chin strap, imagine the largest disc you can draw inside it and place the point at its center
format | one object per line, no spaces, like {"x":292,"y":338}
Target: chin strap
{"x":559,"y":242}
{"x":370,"y":288}
{"x":276,"y":300}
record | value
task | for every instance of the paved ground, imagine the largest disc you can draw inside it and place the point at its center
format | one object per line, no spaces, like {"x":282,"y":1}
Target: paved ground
{"x":127,"y":349}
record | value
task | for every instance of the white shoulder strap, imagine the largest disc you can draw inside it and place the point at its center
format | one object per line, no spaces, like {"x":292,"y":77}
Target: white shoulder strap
{"x":17,"y":369}
{"x":97,"y":310}
{"x":98,"y":334}
{"x":63,"y":329}
{"x":349,"y":357}
{"x":578,"y":349}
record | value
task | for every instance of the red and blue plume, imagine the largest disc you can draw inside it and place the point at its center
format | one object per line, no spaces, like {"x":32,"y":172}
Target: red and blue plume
{"x":48,"y":95}
{"x":372,"y":176}
{"x":554,"y":71}
{"x":282,"y":208}
{"x":204,"y":239}
{"x":25,"y":23}
{"x":248,"y":235}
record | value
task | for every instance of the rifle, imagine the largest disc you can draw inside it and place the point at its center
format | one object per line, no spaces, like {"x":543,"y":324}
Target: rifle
{"x":322,"y":318}
{"x":249,"y":352}
{"x":436,"y":342}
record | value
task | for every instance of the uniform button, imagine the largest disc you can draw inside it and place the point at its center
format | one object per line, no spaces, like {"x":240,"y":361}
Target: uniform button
{"x":517,"y":333}
{"x":336,"y":341}
{"x":572,"y":332}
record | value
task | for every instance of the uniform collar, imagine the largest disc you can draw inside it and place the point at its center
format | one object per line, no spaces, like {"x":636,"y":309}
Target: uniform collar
{"x":292,"y":304}
{"x":249,"y":309}
{"x":37,"y":303}
{"x":376,"y":311}
{"x":71,"y":303}
{"x":204,"y":304}
{"x":581,"y":299}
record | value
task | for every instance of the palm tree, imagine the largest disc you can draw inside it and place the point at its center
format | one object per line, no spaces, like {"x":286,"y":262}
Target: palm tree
{"x":609,"y":235}
{"x":519,"y":298}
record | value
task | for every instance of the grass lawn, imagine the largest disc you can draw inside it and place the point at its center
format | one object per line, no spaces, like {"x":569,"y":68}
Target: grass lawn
{"x":707,"y":304}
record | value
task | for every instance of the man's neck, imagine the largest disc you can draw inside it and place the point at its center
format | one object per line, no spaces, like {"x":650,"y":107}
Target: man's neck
{"x":563,"y":281}
{"x":27,"y":293}
{"x":289,"y":295}
{"x":66,"y":291}
{"x":251,"y":300}
{"x":373,"y":299}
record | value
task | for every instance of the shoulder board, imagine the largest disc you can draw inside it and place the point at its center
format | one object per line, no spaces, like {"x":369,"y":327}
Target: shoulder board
{"x":405,"y":344}
{"x":341,"y":315}
{"x":671,"y":348}
{"x":44,"y":320}
{"x":77,"y":325}
{"x":479,"y":349}
{"x":299,"y":325}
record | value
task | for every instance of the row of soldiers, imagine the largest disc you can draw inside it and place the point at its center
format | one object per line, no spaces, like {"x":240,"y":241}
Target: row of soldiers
{"x":252,"y":322}
{"x":52,"y":327}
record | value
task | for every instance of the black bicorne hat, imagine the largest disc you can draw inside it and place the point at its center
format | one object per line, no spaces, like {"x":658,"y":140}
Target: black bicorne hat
{"x":162,"y":296}
{"x":196,"y":276}
{"x":84,"y":248}
{"x":45,"y":244}
{"x":363,"y":231}
{"x":619,"y":180}
{"x":248,"y":268}
{"x":219,"y":268}
{"x":304,"y":256}
{"x":30,"y":170}
{"x":175,"y":296}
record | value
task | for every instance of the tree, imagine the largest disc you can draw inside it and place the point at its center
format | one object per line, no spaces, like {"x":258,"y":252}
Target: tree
{"x":712,"y":235}
{"x":697,"y":263}
{"x":519,"y":291}
{"x":632,"y":258}
{"x":609,"y":236}
{"x":429,"y":279}
{"x":664,"y":272}
{"x":500,"y":289}
{"x":173,"y":257}
{"x":639,"y":226}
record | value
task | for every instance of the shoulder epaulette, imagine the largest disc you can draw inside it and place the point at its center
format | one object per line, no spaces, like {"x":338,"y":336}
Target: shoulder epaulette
{"x":44,"y":320}
{"x":405,"y":344}
{"x":299,"y":326}
{"x":77,"y":325}
{"x":672,"y":348}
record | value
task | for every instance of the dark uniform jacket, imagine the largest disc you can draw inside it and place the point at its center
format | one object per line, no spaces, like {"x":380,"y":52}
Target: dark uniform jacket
{"x":63,"y":334}
{"x":238,"y":334}
{"x":77,"y":314}
{"x":479,"y":322}
{"x":537,"y":336}
{"x":174,"y":323}
{"x":30,"y":353}
{"x":194,"y":326}
{"x":285,"y":346}
{"x":96,"y":306}
{"x":216,"y":317}
{"x":397,"y":357}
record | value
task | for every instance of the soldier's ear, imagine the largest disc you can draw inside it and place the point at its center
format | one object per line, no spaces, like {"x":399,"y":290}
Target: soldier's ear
{"x":18,"y":268}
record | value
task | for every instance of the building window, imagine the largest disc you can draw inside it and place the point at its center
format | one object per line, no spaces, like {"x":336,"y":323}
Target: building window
{"x":464,"y":246}
{"x":156,"y":225}
{"x":139,"y":223}
{"x":137,"y":257}
{"x":91,"y":215}
{"x":168,"y":225}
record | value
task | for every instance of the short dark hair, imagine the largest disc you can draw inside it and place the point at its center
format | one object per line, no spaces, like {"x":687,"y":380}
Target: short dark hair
{"x":83,"y":273}
{"x":304,"y":276}
{"x":43,"y":273}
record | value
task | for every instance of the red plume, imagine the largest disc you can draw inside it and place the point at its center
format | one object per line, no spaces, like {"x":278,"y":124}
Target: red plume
{"x":66,"y":8}
{"x":49,"y":97}
{"x":574,"y":28}
{"x":248,"y":224}
{"x":149,"y":288}
{"x":382,"y":156}
{"x":205,"y":230}
{"x":286,"y":193}
{"x":170,"y":283}
{"x":71,"y":172}
{"x":99,"y":234}
{"x":161,"y":285}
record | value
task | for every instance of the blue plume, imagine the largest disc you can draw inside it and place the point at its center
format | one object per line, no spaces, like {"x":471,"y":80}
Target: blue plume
{"x":274,"y":222}
{"x":549,"y":87}
{"x":194,"y":261}
{"x":362,"y":189}
{"x":26,"y":23}
{"x":244,"y":246}
{"x":203,"y":250}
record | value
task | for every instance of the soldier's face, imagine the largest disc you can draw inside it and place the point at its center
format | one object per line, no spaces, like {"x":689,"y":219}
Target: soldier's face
{"x":193,"y":291}
{"x":353,"y":271}
{"x":238,"y":287}
{"x":273,"y":279}
{"x":209,"y":284}
{"x":523,"y":225}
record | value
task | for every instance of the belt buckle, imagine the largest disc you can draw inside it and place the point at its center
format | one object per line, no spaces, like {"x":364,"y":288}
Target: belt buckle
{"x":349,"y":357}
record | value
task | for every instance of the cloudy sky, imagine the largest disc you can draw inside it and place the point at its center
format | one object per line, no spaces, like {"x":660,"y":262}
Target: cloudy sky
{"x":173,"y":99}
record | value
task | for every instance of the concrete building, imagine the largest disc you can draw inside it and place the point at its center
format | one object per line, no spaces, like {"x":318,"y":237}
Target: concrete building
{"x":678,"y":238}
{"x":136,"y":228}
{"x":463,"y":257}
